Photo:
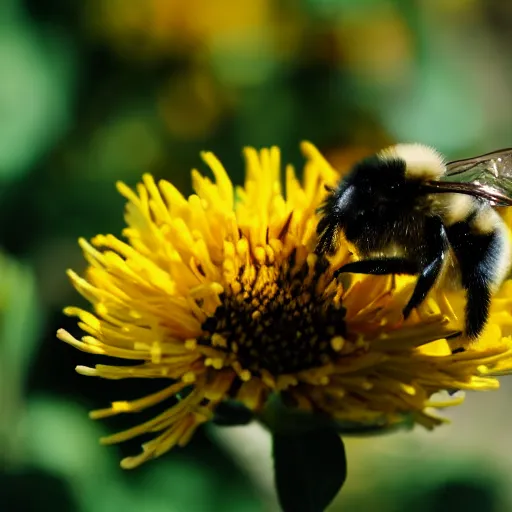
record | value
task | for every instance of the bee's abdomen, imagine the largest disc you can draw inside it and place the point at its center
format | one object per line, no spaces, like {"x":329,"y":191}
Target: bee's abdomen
{"x":481,"y":245}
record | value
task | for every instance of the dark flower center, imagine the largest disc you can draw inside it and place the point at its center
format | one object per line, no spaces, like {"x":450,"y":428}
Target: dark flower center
{"x":278,"y":321}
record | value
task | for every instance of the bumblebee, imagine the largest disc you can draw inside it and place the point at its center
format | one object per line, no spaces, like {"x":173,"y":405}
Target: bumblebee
{"x":406,"y":211}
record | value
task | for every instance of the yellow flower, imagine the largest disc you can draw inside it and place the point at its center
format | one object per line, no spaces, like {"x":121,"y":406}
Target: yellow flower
{"x":222,"y":294}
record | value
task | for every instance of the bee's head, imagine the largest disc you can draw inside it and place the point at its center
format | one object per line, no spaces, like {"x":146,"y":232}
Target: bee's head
{"x":377,"y":189}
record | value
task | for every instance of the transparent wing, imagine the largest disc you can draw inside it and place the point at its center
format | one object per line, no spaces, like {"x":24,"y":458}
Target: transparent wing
{"x":488,"y":176}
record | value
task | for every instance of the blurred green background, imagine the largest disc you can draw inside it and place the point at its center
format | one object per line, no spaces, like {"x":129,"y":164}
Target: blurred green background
{"x":101,"y":90}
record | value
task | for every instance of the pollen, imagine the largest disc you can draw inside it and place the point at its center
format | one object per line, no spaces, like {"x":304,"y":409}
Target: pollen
{"x":278,"y":321}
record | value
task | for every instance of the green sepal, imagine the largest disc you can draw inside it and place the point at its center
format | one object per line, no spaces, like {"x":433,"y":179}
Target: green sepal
{"x":277,"y":416}
{"x":310,"y":468}
{"x":370,"y":429}
{"x":231,"y":413}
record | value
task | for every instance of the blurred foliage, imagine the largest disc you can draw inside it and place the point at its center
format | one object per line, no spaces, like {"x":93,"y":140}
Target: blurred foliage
{"x":101,"y":90}
{"x":422,"y":476}
{"x":38,"y":70}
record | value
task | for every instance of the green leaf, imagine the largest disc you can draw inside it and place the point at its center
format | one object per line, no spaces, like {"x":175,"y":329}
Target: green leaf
{"x":38,"y":71}
{"x":21,"y":319}
{"x":310,"y":468}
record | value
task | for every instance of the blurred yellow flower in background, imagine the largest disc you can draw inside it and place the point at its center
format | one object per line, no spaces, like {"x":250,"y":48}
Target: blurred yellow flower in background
{"x":159,"y":28}
{"x":190,"y":103}
{"x":223,"y":294}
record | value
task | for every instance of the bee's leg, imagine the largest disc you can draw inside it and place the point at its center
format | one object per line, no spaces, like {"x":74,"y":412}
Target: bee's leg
{"x":381,"y":266}
{"x":436,"y":242}
{"x":482,"y":249}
